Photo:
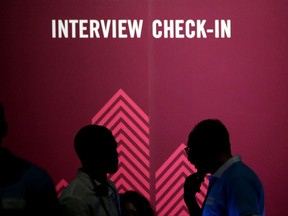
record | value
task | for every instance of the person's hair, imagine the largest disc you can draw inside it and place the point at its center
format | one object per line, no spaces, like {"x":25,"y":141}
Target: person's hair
{"x":141,"y":203}
{"x":91,"y":142}
{"x":210,"y":135}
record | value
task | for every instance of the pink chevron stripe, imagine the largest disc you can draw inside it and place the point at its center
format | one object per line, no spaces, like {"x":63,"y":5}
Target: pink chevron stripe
{"x":137,"y":151}
{"x":123,"y":186}
{"x":170,"y":186}
{"x":129,"y":124}
{"x":120,"y":104}
{"x":134,"y":105}
{"x":205,"y":183}
{"x":124,"y":176}
{"x":178,"y":188}
{"x":61,"y":184}
{"x":178,"y":151}
{"x":118,"y":94}
{"x":135,"y":186}
{"x":184,"y":213}
{"x":178,"y":166}
{"x":181,"y":205}
{"x":172,"y":168}
{"x":174,"y":200}
{"x":123,"y":127}
{"x":203,"y":189}
{"x":132,"y":178}
{"x":137,"y":154}
{"x":122,"y":116}
{"x":201,"y":195}
{"x":168,"y":175}
{"x":166,"y":200}
{"x":121,"y":189}
{"x":135,"y":160}
{"x":168,"y":191}
{"x":123,"y":183}
{"x":121,"y":131}
{"x":130,"y":169}
{"x":200,"y":200}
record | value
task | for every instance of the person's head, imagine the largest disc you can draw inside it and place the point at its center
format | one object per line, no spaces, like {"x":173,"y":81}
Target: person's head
{"x":133,"y":203}
{"x":3,"y":124}
{"x":207,"y":141}
{"x":96,"y":148}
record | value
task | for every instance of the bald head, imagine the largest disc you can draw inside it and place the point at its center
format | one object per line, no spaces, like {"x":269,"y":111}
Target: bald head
{"x":96,"y":147}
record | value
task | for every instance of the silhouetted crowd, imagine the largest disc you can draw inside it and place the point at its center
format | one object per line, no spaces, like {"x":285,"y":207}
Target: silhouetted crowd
{"x":26,"y":189}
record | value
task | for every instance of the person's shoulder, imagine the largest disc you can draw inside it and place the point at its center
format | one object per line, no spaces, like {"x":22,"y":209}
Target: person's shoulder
{"x":240,"y":171}
{"x":22,"y":164}
{"x":239,"y":168}
{"x":76,"y":188}
{"x":36,"y":172}
{"x":34,"y":177}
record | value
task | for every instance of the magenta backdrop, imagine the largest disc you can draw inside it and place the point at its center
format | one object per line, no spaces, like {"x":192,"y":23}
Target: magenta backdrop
{"x":162,"y":88}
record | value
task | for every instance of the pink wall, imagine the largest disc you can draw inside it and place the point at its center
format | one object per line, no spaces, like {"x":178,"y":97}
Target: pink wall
{"x":52,"y":87}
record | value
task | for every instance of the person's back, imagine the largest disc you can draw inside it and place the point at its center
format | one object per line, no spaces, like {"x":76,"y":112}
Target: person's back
{"x":25,"y":189}
{"x":234,"y":189}
{"x":91,"y":193}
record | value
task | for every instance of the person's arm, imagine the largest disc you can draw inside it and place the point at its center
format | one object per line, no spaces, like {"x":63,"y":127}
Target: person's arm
{"x":191,"y":187}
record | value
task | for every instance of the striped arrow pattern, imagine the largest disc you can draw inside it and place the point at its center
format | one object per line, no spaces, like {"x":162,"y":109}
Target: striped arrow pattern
{"x":60,"y":186}
{"x":130,"y":127}
{"x":170,"y":178}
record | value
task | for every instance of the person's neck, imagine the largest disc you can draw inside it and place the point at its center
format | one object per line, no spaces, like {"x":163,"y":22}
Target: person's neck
{"x":224,"y":157}
{"x":221,"y":159}
{"x":95,"y":174}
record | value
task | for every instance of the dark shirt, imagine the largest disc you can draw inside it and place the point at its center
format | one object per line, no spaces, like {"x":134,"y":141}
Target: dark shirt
{"x":25,"y":189}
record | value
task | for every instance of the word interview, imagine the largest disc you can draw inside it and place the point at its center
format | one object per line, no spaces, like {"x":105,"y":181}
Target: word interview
{"x":126,"y":28}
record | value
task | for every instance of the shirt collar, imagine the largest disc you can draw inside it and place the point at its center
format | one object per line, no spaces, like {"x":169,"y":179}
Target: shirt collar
{"x":85,"y":178}
{"x":226,"y":165}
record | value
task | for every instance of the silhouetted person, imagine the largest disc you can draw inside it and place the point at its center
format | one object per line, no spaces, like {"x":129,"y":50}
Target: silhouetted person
{"x":91,"y":193}
{"x":234,"y":189}
{"x":135,"y":204}
{"x":25,"y":189}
